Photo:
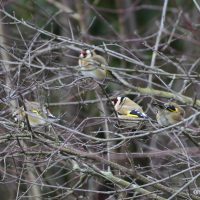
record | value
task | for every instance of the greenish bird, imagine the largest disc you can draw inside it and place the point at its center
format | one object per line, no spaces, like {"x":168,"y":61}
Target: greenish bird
{"x":36,"y":114}
{"x":169,"y":113}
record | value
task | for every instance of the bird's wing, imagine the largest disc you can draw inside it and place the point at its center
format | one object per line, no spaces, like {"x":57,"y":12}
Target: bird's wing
{"x":32,"y":105}
{"x":89,"y":64}
{"x":101,"y":60}
{"x":102,"y":63}
{"x":137,"y":114}
{"x":131,"y":105}
{"x":170,"y":108}
{"x":126,"y":109}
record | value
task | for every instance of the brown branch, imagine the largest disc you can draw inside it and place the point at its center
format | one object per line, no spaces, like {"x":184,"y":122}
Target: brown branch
{"x":66,"y":150}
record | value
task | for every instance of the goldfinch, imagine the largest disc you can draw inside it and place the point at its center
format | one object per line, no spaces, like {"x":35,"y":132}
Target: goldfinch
{"x":93,"y":65}
{"x":128,"y":109}
{"x":36,"y":114}
{"x":169,"y":113}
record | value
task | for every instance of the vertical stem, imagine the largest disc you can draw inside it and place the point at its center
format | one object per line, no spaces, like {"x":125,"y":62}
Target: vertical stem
{"x":6,"y":67}
{"x":106,"y":129}
{"x":153,"y":60}
{"x":197,"y":5}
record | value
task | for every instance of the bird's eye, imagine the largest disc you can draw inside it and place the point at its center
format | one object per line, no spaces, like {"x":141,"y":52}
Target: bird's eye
{"x":171,"y":108}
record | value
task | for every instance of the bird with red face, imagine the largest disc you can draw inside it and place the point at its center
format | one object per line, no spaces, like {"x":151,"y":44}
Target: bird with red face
{"x":128,"y":109}
{"x":93,"y":65}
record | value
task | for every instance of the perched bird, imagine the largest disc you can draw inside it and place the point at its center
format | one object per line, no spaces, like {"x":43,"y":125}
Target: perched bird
{"x":169,"y":113}
{"x":93,"y":65}
{"x":36,"y":114}
{"x":128,"y":109}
